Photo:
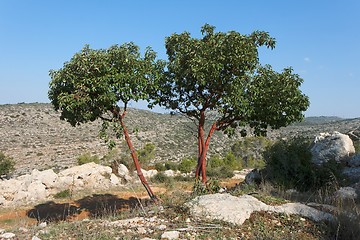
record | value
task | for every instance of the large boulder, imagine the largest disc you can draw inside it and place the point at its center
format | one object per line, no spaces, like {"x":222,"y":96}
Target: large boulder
{"x":236,"y":210}
{"x":332,"y":146}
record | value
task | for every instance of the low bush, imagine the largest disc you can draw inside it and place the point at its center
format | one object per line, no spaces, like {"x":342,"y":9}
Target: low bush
{"x":162,"y":178}
{"x":187,"y":165}
{"x":87,"y":158}
{"x":160,"y":167}
{"x":171,"y":165}
{"x":220,"y":172}
{"x":288,"y":165}
{"x":6,"y":164}
{"x":146,"y":154}
{"x":63,"y":194}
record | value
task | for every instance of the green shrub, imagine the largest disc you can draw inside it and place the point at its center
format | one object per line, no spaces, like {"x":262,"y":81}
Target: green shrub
{"x":231,"y":162}
{"x":6,"y":164}
{"x":162,"y":178}
{"x":146,"y":154}
{"x":187,"y":165}
{"x":220,"y":172}
{"x":87,"y":158}
{"x":249,"y":151}
{"x":215,"y":161}
{"x":63,"y":194}
{"x":160,"y":167}
{"x":288,"y":164}
{"x":211,"y":186}
{"x":357,"y":146}
{"x":169,"y":165}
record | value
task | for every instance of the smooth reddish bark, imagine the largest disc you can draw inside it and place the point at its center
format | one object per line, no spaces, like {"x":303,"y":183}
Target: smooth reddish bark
{"x":203,"y":147}
{"x":135,"y":158}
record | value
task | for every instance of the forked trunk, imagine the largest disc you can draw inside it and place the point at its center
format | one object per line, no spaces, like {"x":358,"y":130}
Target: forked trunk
{"x":203,"y":147}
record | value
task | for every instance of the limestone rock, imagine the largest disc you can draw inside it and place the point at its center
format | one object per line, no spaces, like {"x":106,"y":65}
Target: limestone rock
{"x":253,"y":177}
{"x":7,"y":235}
{"x":331,"y":146}
{"x":353,"y":173}
{"x":236,"y":210}
{"x":346,"y":193}
{"x":170,"y":235}
{"x":355,"y":161}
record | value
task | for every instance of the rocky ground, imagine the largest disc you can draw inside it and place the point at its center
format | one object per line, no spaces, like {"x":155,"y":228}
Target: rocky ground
{"x":36,"y":138}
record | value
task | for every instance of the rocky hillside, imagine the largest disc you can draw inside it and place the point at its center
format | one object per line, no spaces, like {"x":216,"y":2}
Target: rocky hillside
{"x":36,"y":138}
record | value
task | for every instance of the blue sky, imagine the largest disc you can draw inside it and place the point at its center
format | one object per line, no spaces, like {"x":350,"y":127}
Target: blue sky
{"x":319,"y":39}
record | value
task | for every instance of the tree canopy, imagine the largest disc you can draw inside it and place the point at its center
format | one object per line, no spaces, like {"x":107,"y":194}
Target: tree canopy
{"x":94,"y":82}
{"x":221,"y":73}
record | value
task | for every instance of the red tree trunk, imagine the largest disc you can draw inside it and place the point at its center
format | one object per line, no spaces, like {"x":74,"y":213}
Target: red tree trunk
{"x":203,"y":147}
{"x":135,"y":159}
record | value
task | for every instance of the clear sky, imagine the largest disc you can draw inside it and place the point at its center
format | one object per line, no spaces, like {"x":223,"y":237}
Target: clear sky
{"x":320,"y":39}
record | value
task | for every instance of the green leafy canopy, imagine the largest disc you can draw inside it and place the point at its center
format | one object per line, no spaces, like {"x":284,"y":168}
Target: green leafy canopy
{"x":221,"y":72}
{"x":93,"y":82}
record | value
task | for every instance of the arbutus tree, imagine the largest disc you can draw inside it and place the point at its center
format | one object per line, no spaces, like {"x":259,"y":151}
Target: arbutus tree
{"x":220,"y":74}
{"x":94,"y":83}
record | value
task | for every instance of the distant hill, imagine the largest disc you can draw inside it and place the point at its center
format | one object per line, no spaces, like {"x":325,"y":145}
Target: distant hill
{"x":319,"y":120}
{"x":35,"y":137}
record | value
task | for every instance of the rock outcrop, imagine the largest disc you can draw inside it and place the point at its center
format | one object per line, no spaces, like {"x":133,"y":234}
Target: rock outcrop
{"x":236,"y":210}
{"x":42,"y":185}
{"x":332,"y":146}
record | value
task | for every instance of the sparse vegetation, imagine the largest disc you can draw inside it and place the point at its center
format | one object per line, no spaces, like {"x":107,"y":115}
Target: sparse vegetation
{"x":261,"y":225}
{"x":6,"y":164}
{"x":288,"y":164}
{"x":87,"y":158}
{"x":63,"y":194}
{"x":146,"y":154}
{"x":187,"y":165}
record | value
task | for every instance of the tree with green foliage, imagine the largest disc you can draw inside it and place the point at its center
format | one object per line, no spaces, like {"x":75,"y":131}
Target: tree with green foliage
{"x":94,"y":83}
{"x":220,"y":73}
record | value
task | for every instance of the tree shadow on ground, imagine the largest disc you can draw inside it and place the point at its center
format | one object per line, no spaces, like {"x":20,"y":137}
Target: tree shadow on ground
{"x":52,"y":212}
{"x":99,"y":205}
{"x":96,"y":205}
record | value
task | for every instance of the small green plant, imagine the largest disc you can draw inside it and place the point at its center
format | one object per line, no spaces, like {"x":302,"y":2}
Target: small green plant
{"x":211,"y":186}
{"x":63,"y":194}
{"x":171,"y":165}
{"x":160,"y":167}
{"x":357,"y":146}
{"x":162,"y":178}
{"x":187,"y":164}
{"x":6,"y":164}
{"x":146,"y":154}
{"x":87,"y":158}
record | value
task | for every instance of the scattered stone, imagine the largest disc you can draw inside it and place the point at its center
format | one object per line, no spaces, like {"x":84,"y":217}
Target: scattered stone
{"x":22,"y":229}
{"x":35,"y":238}
{"x":346,"y":193}
{"x":42,"y":225}
{"x":162,"y":227}
{"x":141,"y":230}
{"x":7,"y":235}
{"x":241,"y":174}
{"x":170,"y":235}
{"x":253,"y":177}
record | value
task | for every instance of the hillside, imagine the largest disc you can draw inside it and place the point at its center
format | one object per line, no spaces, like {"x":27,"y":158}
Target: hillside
{"x":35,"y":137}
